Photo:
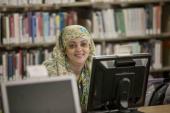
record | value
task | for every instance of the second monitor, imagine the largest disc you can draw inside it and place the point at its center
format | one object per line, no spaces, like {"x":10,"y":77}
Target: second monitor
{"x":118,"y":83}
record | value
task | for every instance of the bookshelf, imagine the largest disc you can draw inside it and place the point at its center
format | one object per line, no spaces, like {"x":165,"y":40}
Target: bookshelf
{"x":89,"y":9}
{"x":161,"y":70}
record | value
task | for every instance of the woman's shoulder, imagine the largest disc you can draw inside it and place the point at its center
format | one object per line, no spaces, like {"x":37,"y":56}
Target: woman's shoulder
{"x":51,"y":66}
{"x":56,"y":68}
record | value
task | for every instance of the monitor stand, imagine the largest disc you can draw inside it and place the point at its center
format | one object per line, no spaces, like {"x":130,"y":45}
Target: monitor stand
{"x":122,"y":96}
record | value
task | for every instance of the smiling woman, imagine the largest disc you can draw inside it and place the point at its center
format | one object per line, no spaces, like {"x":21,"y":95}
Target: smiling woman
{"x":73,"y":55}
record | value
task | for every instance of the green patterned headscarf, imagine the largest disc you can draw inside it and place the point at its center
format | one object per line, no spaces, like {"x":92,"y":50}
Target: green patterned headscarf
{"x":58,"y":65}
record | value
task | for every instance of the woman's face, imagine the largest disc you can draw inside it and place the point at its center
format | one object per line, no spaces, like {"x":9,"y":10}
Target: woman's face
{"x":77,"y":51}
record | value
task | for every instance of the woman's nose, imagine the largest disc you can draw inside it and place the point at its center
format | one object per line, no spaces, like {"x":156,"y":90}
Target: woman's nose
{"x":78,"y":47}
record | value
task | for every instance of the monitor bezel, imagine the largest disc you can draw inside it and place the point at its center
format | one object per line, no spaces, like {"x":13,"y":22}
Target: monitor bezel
{"x":71,"y":78}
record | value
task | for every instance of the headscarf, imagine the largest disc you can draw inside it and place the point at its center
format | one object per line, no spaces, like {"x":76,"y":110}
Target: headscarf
{"x":58,"y":64}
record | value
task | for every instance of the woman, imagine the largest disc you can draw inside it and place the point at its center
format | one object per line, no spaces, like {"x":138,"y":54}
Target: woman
{"x":73,"y":55}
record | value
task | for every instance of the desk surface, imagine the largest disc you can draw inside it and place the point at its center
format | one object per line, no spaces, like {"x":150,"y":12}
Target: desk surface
{"x":156,"y":109}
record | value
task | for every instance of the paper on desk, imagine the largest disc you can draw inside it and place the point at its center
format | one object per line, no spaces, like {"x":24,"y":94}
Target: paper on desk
{"x":35,"y":71}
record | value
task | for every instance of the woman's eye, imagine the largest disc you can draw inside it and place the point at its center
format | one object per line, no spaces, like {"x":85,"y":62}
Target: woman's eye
{"x":75,"y":45}
{"x":71,"y":46}
{"x":84,"y":44}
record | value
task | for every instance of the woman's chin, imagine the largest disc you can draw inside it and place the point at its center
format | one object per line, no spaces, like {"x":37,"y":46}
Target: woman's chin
{"x":80,"y":62}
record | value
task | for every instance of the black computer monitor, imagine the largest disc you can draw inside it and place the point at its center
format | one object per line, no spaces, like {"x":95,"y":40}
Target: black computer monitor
{"x":118,"y":83}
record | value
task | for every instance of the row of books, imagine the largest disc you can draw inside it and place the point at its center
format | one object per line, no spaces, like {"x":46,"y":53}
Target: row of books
{"x":126,"y":21}
{"x":152,"y":47}
{"x":13,"y":64}
{"x":37,"y":27}
{"x":107,"y":0}
{"x":25,"y":2}
{"x":34,"y":27}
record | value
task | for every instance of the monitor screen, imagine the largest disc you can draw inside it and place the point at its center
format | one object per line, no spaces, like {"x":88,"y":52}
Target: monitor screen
{"x":50,"y":95}
{"x":118,"y":83}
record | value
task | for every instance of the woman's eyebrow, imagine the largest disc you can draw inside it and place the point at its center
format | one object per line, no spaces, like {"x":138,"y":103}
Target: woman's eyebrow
{"x":73,"y":41}
{"x":84,"y":40}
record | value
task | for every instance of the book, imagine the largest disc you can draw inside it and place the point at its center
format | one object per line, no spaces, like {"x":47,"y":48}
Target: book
{"x":166,"y":19}
{"x":149,"y":19}
{"x":1,"y":67}
{"x":166,"y":53}
{"x":120,"y":22}
{"x":157,"y":54}
{"x":46,"y":24}
{"x":1,"y":29}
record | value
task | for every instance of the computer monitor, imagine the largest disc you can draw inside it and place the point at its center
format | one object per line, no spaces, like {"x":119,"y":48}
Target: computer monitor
{"x":118,"y":82}
{"x":46,"y":95}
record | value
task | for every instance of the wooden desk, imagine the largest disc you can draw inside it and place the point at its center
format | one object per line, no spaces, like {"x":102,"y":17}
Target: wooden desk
{"x":147,"y":109}
{"x":156,"y":109}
